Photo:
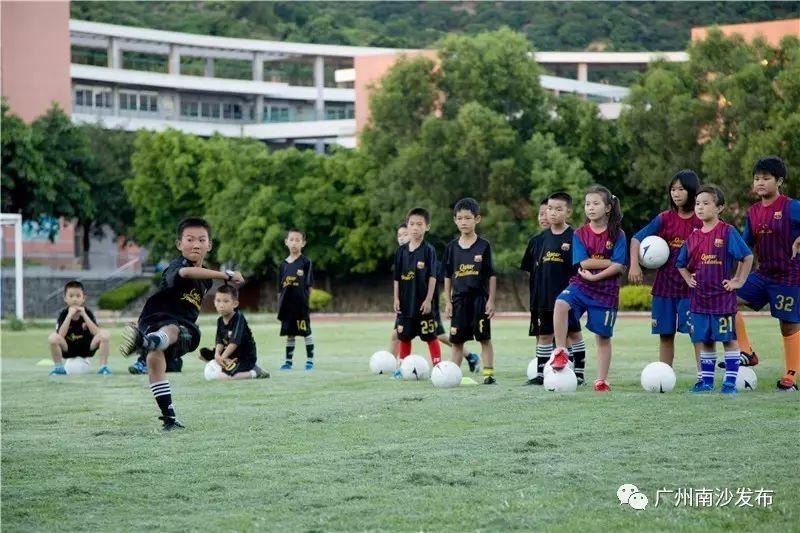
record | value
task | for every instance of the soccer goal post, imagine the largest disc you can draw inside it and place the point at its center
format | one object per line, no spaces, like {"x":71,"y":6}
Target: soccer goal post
{"x":15,"y":219}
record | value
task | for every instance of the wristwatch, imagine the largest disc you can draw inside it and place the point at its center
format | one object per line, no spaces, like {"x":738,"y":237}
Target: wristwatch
{"x":230,"y":274}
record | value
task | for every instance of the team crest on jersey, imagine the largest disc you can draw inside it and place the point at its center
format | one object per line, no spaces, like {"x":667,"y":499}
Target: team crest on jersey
{"x":299,"y":271}
{"x":565,"y":246}
{"x":420,"y":265}
{"x":778,"y":215}
{"x":453,"y":330}
{"x":609,"y":245}
{"x":478,"y":258}
{"x":718,"y":243}
{"x":399,"y":328}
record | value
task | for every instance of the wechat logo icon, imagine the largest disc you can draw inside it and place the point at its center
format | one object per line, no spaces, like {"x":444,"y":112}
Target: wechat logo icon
{"x":629,"y":495}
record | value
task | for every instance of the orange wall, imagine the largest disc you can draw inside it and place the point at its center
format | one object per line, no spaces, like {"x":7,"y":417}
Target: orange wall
{"x":772,"y":31}
{"x":35,"y":56}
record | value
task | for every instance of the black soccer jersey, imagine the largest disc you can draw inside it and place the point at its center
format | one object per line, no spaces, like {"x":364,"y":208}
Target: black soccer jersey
{"x":548,"y":258}
{"x":237,"y":332}
{"x":296,"y":279}
{"x":469,"y":268}
{"x":77,"y":332}
{"x":178,"y":297}
{"x":413,"y":269}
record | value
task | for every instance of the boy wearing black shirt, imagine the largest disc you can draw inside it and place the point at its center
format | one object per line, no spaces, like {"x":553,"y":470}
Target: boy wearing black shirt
{"x":469,"y":286}
{"x":296,"y":279}
{"x":167,"y":325}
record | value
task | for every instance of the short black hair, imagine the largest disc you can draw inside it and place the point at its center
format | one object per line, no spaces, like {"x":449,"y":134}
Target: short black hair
{"x":193,"y":222}
{"x":772,"y":164}
{"x":689,"y":181}
{"x":420,"y":212}
{"x":402,"y":226}
{"x":295,"y":230}
{"x":716,"y":192}
{"x":467,"y":204}
{"x":566,"y":198}
{"x":544,"y":201}
{"x":74,"y":284}
{"x":229,"y":289}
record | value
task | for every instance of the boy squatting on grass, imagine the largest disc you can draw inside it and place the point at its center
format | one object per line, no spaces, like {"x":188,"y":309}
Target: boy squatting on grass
{"x":235,"y":348}
{"x":77,"y":333}
{"x":167,"y":325}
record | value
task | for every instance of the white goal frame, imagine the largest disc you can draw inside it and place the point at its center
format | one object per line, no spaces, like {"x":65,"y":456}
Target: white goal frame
{"x":15,"y":219}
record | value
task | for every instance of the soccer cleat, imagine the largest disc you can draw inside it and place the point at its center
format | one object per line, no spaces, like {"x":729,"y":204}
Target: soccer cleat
{"x":104,"y":371}
{"x":206,"y":354}
{"x":286,"y":366}
{"x":560,"y":359}
{"x":474,"y":362}
{"x":170,"y":423}
{"x":783,"y":385}
{"x":701,"y":387}
{"x":261,"y":373}
{"x":745,"y":359}
{"x":138,"y":368}
{"x":728,"y":388}
{"x":309,"y":365}
{"x":581,"y":381}
{"x":132,"y":339}
{"x":58,"y":371}
{"x":601,"y":385}
{"x":538,"y":380}
{"x":489,"y":380}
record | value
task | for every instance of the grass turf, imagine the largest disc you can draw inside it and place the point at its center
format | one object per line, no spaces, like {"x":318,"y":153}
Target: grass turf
{"x":338,"y":449}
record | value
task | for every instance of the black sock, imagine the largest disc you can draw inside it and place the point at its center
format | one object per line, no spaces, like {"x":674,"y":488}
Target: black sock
{"x":310,"y":347}
{"x":543,"y":352}
{"x":579,"y":354}
{"x":289,"y":351}
{"x":163,"y":395}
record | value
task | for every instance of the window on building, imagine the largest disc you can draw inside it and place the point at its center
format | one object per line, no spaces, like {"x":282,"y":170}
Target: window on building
{"x":231,"y":111}
{"x":83,"y":97}
{"x":103,"y":99}
{"x":190,"y":108}
{"x":209,"y":109}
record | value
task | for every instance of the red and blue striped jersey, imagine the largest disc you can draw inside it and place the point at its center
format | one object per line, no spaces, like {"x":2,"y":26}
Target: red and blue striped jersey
{"x":771,"y":230}
{"x":586,"y":244}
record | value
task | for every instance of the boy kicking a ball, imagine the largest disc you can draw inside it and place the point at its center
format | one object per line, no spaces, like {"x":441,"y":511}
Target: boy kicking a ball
{"x":167,"y":325}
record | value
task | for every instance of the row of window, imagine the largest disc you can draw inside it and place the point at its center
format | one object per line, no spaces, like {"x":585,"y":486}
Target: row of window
{"x":103,"y":98}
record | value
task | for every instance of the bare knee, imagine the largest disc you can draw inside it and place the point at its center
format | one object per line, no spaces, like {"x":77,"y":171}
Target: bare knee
{"x":103,"y":336}
{"x":788,"y":329}
{"x":55,"y":338}
{"x":561,"y":308}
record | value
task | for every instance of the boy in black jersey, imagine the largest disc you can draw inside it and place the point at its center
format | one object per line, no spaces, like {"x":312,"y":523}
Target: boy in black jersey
{"x":235,"y":348}
{"x":548,"y":259}
{"x":77,"y":333}
{"x":469,"y":286}
{"x":167,"y":325}
{"x":296,"y":279}
{"x":415,"y":269}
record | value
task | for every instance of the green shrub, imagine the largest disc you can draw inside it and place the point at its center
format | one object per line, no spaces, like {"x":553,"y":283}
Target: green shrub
{"x":119,"y":297}
{"x":319,"y":300}
{"x":15,"y":324}
{"x":635,"y":298}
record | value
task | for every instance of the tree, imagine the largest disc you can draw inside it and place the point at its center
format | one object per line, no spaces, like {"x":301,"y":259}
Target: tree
{"x":26,"y":187}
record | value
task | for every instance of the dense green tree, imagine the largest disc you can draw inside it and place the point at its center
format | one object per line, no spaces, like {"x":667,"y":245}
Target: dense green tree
{"x":26,"y":188}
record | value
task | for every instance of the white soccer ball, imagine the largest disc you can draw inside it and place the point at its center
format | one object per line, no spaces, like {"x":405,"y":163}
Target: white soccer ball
{"x":212,"y":371}
{"x":547,"y":370}
{"x":446,"y":375}
{"x":563,"y":380}
{"x":658,"y":377}
{"x":382,"y":362}
{"x":76,"y":365}
{"x":415,"y":368}
{"x":653,"y":252}
{"x":532,"y":369}
{"x":746,"y":379}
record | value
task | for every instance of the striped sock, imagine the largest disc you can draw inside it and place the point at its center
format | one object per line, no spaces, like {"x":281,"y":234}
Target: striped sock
{"x":543,"y":352}
{"x":163,"y":395}
{"x":578,"y":351}
{"x":707,"y":362}
{"x":310,"y":347}
{"x":731,"y":366}
{"x":156,"y":341}
{"x":289,"y":350}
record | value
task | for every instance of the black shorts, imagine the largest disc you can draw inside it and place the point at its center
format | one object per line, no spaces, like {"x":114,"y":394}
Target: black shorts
{"x":81,"y":348}
{"x":469,"y":319}
{"x":156,"y":321}
{"x":296,"y":328}
{"x":427,"y":328}
{"x":542,"y":323}
{"x":241,"y":366}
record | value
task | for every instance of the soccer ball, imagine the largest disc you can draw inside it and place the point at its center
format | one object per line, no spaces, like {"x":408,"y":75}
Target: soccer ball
{"x":446,"y":375}
{"x":653,"y":252}
{"x":563,"y":380}
{"x":532,"y":369}
{"x":658,"y":377}
{"x":212,"y":371}
{"x":382,"y":362}
{"x":76,"y":365}
{"x":414,"y":368}
{"x":746,"y":379}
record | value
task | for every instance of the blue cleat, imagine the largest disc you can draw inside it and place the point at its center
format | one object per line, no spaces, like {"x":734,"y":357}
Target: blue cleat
{"x":286,"y":366}
{"x":701,"y":387}
{"x":729,"y":388}
{"x":309,"y":365}
{"x":104,"y":370}
{"x":138,"y":368}
{"x":397,"y":374}
{"x":58,"y":370}
{"x":474,"y":362}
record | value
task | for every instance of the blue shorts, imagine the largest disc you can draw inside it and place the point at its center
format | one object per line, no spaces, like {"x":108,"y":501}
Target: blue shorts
{"x":712,"y":328}
{"x":783,"y":300}
{"x":600,"y":318}
{"x":670,"y":315}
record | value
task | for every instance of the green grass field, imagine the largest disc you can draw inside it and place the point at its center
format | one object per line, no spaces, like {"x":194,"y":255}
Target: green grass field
{"x":341,"y":450}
